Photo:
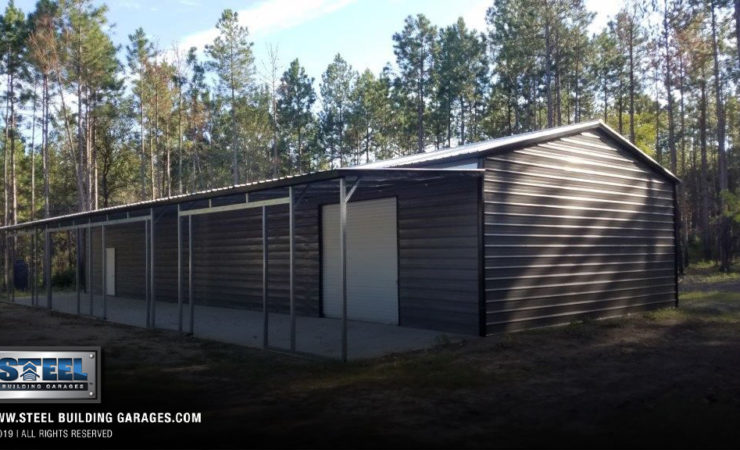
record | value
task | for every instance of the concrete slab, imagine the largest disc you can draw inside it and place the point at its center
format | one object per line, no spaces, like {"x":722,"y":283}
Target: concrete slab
{"x":314,"y":335}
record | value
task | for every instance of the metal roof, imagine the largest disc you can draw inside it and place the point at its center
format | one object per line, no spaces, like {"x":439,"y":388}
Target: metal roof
{"x":518,"y":140}
{"x":368,"y":174}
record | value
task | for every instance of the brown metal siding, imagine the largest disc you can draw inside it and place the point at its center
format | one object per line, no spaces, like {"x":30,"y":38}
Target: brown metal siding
{"x":227,"y":259}
{"x":437,"y":247}
{"x":574,"y":227}
{"x":438,"y":256}
{"x":437,"y":228}
{"x":128,"y":240}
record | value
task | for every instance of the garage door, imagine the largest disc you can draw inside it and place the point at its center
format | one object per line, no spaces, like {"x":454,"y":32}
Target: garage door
{"x":372,"y":261}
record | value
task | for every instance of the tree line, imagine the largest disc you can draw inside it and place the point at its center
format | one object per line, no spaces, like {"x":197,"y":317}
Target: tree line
{"x":88,"y":125}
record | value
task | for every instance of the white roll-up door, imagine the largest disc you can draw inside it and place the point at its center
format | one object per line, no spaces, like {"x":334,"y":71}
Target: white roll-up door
{"x":372,"y":261}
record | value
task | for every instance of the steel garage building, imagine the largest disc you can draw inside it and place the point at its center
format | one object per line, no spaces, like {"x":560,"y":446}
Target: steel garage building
{"x":525,"y":231}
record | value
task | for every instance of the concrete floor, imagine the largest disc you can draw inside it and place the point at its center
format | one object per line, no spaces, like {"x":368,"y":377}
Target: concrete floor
{"x":314,"y":335}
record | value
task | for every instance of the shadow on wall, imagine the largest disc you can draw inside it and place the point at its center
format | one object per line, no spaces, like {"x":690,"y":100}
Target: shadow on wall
{"x":563,"y":244}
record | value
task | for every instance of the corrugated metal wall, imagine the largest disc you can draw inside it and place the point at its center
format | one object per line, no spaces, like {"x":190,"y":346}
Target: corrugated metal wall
{"x":574,"y":227}
{"x":128,"y":240}
{"x":227,"y":259}
{"x":438,"y":245}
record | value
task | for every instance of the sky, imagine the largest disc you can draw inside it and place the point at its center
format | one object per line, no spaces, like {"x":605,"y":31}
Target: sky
{"x":311,"y":30}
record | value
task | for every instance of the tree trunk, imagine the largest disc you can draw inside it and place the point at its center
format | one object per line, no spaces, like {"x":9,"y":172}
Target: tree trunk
{"x":548,"y":70}
{"x":168,"y":170}
{"x":620,"y":109}
{"x":737,"y":29}
{"x":631,"y":44}
{"x":462,"y":121}
{"x":558,"y":100}
{"x":70,"y":145}
{"x":32,"y":214}
{"x":13,"y":178}
{"x":6,"y":211}
{"x":577,"y":106}
{"x":420,"y":109}
{"x":682,"y":113}
{"x":234,"y":140}
{"x":669,"y":90}
{"x":179,"y":138}
{"x":93,"y":147}
{"x":705,"y":182}
{"x":724,"y":224}
{"x":83,"y":195}
{"x":142,"y":151}
{"x":45,"y":143}
{"x":154,"y":144}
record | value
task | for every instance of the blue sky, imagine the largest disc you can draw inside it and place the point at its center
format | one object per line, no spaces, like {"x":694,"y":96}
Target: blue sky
{"x":311,"y":30}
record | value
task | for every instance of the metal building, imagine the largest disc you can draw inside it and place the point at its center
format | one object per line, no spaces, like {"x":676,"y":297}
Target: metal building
{"x":526,"y":231}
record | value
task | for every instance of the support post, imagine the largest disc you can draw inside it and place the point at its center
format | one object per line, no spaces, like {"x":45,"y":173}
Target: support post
{"x":343,"y":260}
{"x":104,"y":265}
{"x":6,"y":274}
{"x":146,"y":271}
{"x":151,"y":253}
{"x":179,"y":271}
{"x":90,"y":267}
{"x":13,"y":246}
{"x":47,"y":263}
{"x":191,"y":301}
{"x":291,"y":268}
{"x":265,"y":321}
{"x":33,"y":267}
{"x":77,"y":268}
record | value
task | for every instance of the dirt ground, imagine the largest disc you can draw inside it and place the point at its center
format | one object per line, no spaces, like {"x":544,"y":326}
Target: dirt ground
{"x":669,"y":378}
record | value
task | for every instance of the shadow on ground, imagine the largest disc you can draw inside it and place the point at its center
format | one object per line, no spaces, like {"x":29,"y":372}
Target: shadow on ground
{"x":665,"y":378}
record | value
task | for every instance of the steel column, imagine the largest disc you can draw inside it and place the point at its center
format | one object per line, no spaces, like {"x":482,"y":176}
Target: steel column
{"x":104,"y":265}
{"x":47,"y":263}
{"x":33,"y":267}
{"x":343,"y":260}
{"x":179,"y":271}
{"x":151,"y":253}
{"x":146,"y":271}
{"x":291,"y":233}
{"x":6,"y":273}
{"x":90,"y":268}
{"x":14,"y":244}
{"x":77,"y":268}
{"x":265,"y":324}
{"x":191,"y":301}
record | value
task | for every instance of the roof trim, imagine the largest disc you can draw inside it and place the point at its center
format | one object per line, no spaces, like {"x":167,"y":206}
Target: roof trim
{"x":275,"y":183}
{"x":519,"y":140}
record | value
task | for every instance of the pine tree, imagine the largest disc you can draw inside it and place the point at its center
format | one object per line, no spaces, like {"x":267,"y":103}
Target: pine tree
{"x":337,"y":83}
{"x":232,"y":61}
{"x":138,"y":53}
{"x":414,"y":48}
{"x":296,"y":97}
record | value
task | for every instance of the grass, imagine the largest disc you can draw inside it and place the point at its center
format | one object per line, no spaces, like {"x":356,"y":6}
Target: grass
{"x":662,"y":378}
{"x":707,"y":272}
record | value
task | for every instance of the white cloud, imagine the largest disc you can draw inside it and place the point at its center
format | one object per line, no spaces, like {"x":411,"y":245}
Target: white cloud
{"x":475,"y":15}
{"x":129,"y":4}
{"x":270,"y":16}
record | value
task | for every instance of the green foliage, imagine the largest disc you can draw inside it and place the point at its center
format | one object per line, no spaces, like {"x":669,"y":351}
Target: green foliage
{"x":63,"y":279}
{"x":732,"y":205}
{"x":337,"y":84}
{"x":295,"y":118}
{"x":168,"y":122}
{"x":415,"y":47}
